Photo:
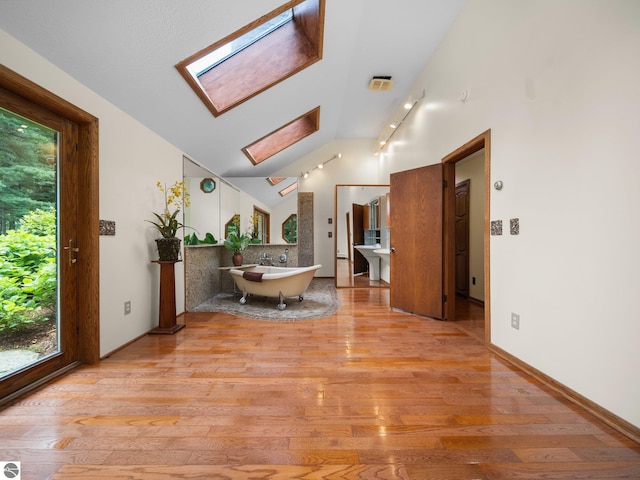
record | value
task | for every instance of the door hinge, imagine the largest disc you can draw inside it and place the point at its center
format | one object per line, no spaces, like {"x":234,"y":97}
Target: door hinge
{"x":444,"y":184}
{"x":444,"y":299}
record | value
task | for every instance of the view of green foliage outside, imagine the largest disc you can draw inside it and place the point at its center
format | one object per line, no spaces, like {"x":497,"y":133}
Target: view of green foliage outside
{"x":28,"y":271}
{"x":290,"y":229}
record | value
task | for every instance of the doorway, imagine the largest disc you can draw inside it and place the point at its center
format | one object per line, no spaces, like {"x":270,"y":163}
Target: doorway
{"x":355,"y":227}
{"x":473,"y":312}
{"x":470,"y":244}
{"x":71,"y":152}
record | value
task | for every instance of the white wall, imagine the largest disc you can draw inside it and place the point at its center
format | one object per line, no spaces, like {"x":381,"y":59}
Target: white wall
{"x":557,"y":84}
{"x":132,"y":160}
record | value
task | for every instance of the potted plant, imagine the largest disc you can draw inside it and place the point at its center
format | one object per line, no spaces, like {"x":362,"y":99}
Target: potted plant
{"x":167,"y":222}
{"x":237,"y":242}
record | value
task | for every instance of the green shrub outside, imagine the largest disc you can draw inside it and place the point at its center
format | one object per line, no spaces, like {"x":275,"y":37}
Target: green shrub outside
{"x":28,"y":273}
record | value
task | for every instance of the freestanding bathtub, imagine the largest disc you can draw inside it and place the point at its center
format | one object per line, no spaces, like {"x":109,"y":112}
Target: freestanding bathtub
{"x":280,"y":282}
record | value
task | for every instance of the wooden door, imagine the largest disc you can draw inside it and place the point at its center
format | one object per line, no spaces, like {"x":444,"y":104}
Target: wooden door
{"x":462,"y":238}
{"x":360,"y":264}
{"x":417,"y":241}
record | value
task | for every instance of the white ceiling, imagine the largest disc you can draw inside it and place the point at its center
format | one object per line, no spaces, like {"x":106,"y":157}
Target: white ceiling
{"x":125,"y":50}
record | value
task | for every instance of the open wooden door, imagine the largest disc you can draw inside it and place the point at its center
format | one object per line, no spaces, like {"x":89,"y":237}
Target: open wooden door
{"x":417,"y":241}
{"x":360,"y":264}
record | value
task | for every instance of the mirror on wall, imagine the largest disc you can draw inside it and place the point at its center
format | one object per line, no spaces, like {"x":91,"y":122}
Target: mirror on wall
{"x":214,"y":201}
{"x":203,"y":213}
{"x":360,"y":220}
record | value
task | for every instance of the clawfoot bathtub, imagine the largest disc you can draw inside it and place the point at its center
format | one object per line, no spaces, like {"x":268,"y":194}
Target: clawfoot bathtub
{"x":270,"y":281}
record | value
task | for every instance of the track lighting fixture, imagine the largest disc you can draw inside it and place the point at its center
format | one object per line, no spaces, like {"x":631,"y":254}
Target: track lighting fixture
{"x":321,"y":165}
{"x":394,"y":125}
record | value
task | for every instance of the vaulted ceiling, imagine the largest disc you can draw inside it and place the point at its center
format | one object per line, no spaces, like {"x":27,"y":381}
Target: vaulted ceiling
{"x":126,"y":51}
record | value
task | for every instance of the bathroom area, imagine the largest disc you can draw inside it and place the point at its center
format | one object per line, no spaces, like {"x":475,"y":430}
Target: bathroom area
{"x":218,"y":208}
{"x":362,"y":236}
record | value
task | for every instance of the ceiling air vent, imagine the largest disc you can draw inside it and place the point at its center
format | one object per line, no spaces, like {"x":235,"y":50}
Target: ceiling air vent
{"x":380,"y":84}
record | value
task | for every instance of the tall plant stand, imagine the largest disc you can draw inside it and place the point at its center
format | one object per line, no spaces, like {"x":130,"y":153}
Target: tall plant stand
{"x":167,"y":317}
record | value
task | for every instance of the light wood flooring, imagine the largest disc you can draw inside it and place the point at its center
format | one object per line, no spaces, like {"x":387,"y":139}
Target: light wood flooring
{"x":346,"y":278}
{"x":367,"y":393}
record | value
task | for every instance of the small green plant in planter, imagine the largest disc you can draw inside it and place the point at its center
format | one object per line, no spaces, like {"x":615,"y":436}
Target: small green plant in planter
{"x":237,"y":243}
{"x":192,"y":239}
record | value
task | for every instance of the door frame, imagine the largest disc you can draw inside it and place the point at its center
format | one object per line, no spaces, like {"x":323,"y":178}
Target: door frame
{"x":88,"y":229}
{"x":482,"y":141}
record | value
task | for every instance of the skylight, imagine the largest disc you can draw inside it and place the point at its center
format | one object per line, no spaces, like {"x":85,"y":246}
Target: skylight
{"x":283,"y":137}
{"x":289,"y":189}
{"x":219,"y":55}
{"x":257,"y":56}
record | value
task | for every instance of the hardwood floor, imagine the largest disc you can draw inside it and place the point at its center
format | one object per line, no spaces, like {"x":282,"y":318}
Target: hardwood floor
{"x":367,"y":393}
{"x":470,"y":317}
{"x":345,"y":278}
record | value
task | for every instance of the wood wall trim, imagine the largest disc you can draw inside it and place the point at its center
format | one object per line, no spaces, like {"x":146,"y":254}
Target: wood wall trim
{"x":88,"y":212}
{"x":593,"y":408}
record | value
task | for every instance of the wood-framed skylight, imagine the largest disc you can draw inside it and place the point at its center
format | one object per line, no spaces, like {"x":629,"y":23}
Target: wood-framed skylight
{"x":275,"y":180}
{"x":283,"y":137}
{"x":287,"y":190}
{"x":258,"y":56}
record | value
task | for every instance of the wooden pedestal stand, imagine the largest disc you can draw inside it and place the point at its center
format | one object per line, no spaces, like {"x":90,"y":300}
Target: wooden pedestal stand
{"x":167,"y":317}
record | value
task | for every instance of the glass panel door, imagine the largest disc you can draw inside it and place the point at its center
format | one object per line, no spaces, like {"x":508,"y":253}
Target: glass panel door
{"x":29,"y":306}
{"x":38,"y":252}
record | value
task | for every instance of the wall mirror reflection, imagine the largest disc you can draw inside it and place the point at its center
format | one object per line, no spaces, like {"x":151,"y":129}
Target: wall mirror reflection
{"x":290,"y":229}
{"x":203,"y":214}
{"x":362,"y":235}
{"x":215,"y":201}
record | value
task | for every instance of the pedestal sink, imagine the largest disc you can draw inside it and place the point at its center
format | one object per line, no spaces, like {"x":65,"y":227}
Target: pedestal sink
{"x":383,"y":253}
{"x":367,"y":252}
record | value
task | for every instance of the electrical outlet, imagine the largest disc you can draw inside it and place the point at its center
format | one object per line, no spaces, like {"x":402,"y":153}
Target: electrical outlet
{"x":515,"y":321}
{"x":127,"y":307}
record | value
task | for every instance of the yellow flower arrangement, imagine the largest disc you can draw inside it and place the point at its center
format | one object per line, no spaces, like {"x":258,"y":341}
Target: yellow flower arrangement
{"x":177,"y":195}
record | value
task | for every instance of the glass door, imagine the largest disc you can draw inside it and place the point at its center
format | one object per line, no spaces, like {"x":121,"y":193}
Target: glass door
{"x":37,"y":243}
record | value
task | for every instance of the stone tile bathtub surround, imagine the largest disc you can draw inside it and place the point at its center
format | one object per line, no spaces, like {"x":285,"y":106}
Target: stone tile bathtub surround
{"x":203,"y":277}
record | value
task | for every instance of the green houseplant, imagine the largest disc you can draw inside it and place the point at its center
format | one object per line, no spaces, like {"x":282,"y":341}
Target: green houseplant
{"x":167,"y":223}
{"x":237,"y":242}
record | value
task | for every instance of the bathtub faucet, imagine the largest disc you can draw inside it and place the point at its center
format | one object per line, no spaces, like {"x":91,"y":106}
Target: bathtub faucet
{"x":266,"y":260}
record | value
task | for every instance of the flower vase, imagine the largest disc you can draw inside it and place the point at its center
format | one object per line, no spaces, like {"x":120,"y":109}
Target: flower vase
{"x":168,"y":249}
{"x":237,"y":259}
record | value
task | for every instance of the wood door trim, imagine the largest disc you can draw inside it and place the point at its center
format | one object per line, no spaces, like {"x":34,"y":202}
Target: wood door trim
{"x":88,"y":213}
{"x":472,"y":146}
